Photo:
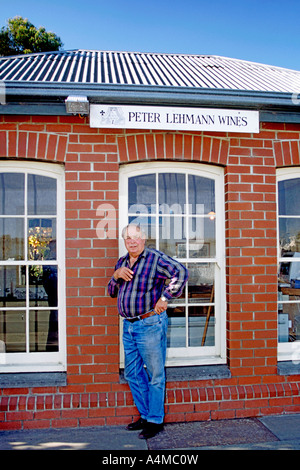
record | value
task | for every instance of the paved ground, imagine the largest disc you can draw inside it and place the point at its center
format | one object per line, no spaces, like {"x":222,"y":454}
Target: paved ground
{"x":268,"y":433}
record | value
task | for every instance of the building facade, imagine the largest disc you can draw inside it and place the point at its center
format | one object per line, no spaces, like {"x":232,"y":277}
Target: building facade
{"x":204,"y":153}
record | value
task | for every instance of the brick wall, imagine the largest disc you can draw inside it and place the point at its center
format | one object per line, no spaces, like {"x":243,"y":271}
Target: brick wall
{"x":94,"y":395}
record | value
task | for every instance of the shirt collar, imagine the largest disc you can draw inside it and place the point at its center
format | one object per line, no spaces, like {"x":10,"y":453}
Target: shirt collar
{"x":142,"y":255}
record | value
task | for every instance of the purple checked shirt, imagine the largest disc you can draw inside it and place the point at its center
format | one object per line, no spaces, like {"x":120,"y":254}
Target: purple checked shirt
{"x":151,"y":271}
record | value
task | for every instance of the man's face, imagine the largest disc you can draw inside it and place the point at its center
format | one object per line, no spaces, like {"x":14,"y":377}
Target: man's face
{"x":134,"y":241}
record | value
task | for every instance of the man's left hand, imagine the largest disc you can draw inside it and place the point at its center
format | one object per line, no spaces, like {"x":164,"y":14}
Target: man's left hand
{"x":160,"y":306}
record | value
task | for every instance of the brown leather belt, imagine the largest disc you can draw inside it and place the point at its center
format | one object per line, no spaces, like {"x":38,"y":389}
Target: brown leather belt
{"x":143,"y":316}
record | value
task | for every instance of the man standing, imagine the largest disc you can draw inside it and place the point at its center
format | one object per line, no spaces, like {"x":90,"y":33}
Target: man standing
{"x":139,"y":282}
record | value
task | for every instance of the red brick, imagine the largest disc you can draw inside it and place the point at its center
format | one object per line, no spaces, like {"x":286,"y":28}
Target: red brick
{"x":3,"y":143}
{"x":42,"y":143}
{"x":150,"y":145}
{"x":160,"y":147}
{"x":187,"y":147}
{"x":196,"y":148}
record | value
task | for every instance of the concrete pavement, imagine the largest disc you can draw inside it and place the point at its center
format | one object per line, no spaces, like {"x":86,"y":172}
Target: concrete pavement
{"x":280,"y":432}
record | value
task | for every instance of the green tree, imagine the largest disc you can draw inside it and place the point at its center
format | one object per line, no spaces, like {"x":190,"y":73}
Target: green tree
{"x":22,"y":37}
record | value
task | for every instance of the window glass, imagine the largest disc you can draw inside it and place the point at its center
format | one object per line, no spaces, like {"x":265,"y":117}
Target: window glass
{"x":172,"y":240}
{"x":141,"y":194}
{"x":12,"y":187}
{"x":43,"y":327}
{"x":288,"y":197}
{"x":29,"y":303}
{"x":42,"y":239}
{"x":289,"y":261}
{"x":12,"y":286}
{"x":202,"y":237}
{"x":172,"y":193}
{"x":201,"y":326}
{"x":176,"y":336}
{"x":11,"y":238}
{"x":289,"y":235}
{"x":13,"y":331}
{"x":177,"y":210}
{"x":201,"y":283}
{"x":41,"y":195}
{"x":201,"y":195}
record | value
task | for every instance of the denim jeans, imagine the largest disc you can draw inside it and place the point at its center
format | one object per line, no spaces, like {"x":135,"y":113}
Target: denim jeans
{"x":145,"y":344}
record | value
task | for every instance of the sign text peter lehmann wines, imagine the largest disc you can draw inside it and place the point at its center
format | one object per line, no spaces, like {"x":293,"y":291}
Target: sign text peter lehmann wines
{"x":169,"y":118}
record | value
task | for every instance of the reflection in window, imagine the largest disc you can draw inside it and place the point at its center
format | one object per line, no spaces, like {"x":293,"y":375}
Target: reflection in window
{"x":13,"y":331}
{"x":201,"y":194}
{"x":172,"y":193}
{"x":43,"y":330}
{"x":289,"y":266}
{"x":41,"y":195}
{"x":141,"y":193}
{"x":41,"y":239}
{"x":11,"y":238}
{"x":28,"y":290}
{"x":12,"y":193}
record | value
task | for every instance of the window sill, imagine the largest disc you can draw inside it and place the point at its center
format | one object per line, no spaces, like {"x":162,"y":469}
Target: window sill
{"x":288,"y":368}
{"x":181,"y":374}
{"x":33,"y":379}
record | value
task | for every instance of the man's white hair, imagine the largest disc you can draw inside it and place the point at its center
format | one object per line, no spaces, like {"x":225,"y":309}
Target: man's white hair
{"x":136,"y":226}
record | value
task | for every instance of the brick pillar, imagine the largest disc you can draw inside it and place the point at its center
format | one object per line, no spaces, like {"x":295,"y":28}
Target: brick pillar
{"x":251,"y":260}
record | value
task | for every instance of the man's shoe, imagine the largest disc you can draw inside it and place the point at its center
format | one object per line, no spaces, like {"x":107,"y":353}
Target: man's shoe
{"x":139,"y":424}
{"x":150,"y":430}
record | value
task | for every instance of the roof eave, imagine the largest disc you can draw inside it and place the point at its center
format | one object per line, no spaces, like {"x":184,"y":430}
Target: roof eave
{"x":48,"y":98}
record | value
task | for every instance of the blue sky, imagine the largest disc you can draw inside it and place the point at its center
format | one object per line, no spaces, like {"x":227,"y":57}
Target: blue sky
{"x":266,"y":31}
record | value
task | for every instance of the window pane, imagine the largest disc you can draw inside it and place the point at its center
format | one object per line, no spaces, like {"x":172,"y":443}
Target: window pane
{"x":288,"y":295}
{"x":289,"y":235}
{"x":176,"y":336}
{"x":172,"y":239}
{"x":41,"y":195}
{"x":202,"y":237}
{"x":288,"y":319}
{"x":12,"y":193}
{"x":289,"y":272}
{"x":12,"y":286}
{"x":43,"y":286}
{"x":288,"y":197}
{"x":28,"y":292}
{"x":171,"y":193}
{"x":11,"y":239}
{"x":13,"y":331}
{"x":141,"y":194}
{"x":201,"y":195}
{"x":41,"y":239}
{"x":201,"y":326}
{"x":43,"y":330}
{"x":201,"y":283}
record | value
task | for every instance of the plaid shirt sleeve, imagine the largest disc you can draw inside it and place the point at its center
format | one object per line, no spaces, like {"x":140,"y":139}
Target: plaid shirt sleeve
{"x":175,"y":272}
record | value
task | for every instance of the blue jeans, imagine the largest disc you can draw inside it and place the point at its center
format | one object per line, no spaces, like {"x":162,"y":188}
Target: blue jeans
{"x":145,"y":343}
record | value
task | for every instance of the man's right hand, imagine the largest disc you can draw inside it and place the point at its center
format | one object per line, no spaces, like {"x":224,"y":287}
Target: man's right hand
{"x":123,"y":273}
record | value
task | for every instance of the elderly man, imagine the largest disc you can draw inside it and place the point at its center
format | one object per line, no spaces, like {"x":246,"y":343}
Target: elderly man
{"x":144,"y":280}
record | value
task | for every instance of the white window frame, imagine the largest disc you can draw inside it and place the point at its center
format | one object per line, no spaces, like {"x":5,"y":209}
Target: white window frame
{"x":287,"y":351}
{"x":43,"y":361}
{"x":189,"y":355}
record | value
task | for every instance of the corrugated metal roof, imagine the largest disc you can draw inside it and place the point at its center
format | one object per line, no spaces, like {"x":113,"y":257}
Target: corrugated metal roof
{"x":137,"y":68}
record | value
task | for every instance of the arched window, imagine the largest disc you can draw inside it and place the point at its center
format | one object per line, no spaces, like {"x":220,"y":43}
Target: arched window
{"x":181,"y":208}
{"x":289,"y":264}
{"x":32,"y":312}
